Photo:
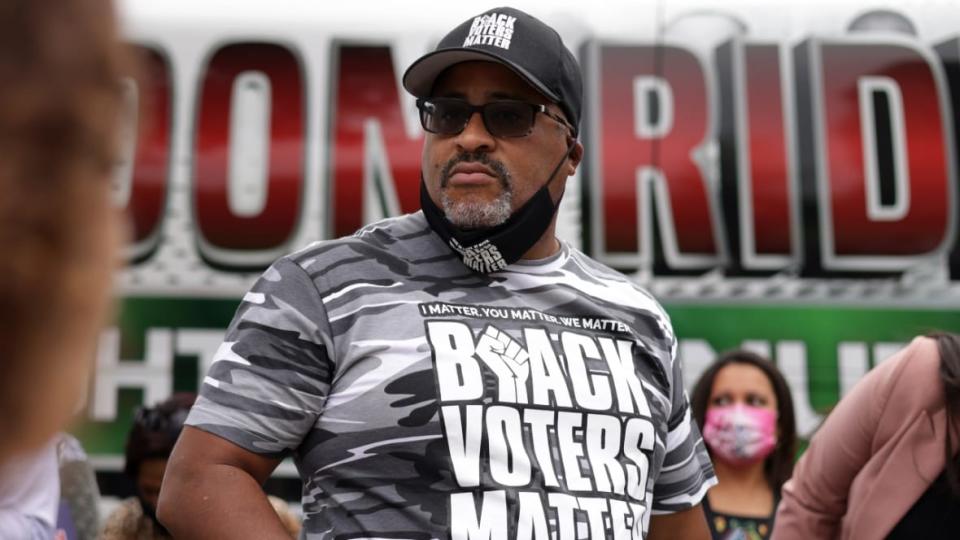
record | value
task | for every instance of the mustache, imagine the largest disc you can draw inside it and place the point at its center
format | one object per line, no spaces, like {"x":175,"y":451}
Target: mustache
{"x":498,"y":168}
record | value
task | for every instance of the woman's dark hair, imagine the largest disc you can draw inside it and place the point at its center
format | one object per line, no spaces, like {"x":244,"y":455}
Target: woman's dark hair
{"x":778,"y":466}
{"x":948,"y":345}
{"x":155,"y":430}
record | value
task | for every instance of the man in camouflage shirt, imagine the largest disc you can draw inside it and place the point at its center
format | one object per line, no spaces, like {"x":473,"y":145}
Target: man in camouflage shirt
{"x":458,"y":372}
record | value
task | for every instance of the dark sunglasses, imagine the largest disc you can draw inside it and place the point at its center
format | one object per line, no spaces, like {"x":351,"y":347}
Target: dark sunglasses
{"x":449,"y":116}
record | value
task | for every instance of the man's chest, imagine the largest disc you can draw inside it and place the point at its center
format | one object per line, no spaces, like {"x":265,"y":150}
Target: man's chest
{"x":496,"y":411}
{"x":535,"y":386}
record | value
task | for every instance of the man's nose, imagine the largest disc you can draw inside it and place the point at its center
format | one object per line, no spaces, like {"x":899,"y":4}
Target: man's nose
{"x":475,"y":137}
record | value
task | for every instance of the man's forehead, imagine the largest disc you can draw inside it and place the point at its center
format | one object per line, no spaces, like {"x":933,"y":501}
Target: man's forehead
{"x":489,"y":80}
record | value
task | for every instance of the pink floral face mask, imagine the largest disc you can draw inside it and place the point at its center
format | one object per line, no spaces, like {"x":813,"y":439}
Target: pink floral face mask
{"x":740,"y":435}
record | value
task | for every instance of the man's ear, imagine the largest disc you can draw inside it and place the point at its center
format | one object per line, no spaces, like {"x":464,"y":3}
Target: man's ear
{"x":576,"y":156}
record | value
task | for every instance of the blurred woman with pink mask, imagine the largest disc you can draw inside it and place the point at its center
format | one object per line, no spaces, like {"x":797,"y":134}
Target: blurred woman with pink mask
{"x":743,"y":404}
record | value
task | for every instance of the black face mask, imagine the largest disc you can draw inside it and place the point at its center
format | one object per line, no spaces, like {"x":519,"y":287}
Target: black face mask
{"x":492,"y":249}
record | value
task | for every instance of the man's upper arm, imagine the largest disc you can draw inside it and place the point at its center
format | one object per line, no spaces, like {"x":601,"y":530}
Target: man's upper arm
{"x":197,"y":449}
{"x":689,"y":524}
{"x":212,"y":488}
{"x":686,"y":473}
{"x":261,"y":398}
{"x":271,"y":376}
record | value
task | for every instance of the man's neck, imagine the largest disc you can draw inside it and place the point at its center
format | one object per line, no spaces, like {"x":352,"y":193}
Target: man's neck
{"x":547,"y":245}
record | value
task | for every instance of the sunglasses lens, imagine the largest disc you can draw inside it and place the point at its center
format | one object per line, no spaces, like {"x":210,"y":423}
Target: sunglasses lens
{"x":508,"y":119}
{"x":446,"y":117}
{"x":501,"y":118}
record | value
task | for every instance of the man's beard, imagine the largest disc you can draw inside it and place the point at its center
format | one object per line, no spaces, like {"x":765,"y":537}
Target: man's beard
{"x":472,"y":214}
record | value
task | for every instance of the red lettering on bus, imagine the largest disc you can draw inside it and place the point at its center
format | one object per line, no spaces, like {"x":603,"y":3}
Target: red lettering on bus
{"x":274,"y":72}
{"x":769,"y":179}
{"x":759,"y":185}
{"x":151,"y":160}
{"x":949,"y":53}
{"x":652,"y":111}
{"x":859,"y":231}
{"x":370,"y":141}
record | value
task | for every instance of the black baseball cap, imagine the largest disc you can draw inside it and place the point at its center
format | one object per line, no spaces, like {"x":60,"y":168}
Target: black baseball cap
{"x":519,"y":41}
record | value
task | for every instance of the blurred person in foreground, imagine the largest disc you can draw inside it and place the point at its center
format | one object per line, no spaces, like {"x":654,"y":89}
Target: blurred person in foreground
{"x":60,"y":67}
{"x":884,"y":463}
{"x":151,"y":439}
{"x":743,"y":403}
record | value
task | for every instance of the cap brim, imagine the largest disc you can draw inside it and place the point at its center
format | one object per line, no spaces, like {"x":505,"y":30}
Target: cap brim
{"x":422,"y":74}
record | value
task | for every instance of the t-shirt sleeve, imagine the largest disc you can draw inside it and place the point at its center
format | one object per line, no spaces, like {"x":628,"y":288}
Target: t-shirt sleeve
{"x":687,"y":472}
{"x":270,"y":377}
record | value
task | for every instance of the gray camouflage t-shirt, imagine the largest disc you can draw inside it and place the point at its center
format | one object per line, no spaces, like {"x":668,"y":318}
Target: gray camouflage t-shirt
{"x":422,"y":400}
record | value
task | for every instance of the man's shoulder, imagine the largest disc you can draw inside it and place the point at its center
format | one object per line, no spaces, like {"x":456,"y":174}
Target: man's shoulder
{"x":399,"y":227}
{"x":390,"y":251}
{"x":630,"y":294}
{"x":595,"y":267}
{"x":389,"y":237}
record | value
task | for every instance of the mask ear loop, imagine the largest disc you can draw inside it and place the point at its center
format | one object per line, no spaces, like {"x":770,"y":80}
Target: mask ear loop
{"x":571,"y":144}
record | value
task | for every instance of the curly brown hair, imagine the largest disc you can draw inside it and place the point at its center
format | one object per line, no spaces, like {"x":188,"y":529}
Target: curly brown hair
{"x":155,"y":431}
{"x":60,"y":67}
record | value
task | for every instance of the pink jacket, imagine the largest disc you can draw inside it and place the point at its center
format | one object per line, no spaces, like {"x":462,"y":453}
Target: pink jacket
{"x":877,"y":452}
